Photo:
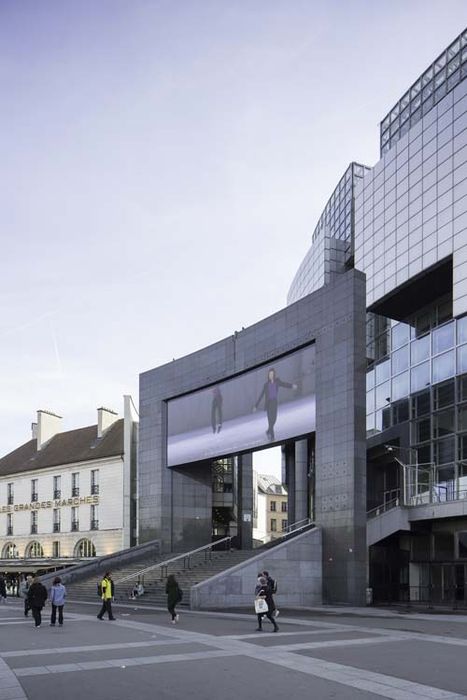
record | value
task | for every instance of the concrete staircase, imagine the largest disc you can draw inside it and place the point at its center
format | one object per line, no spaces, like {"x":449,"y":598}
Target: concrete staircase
{"x":201,"y":567}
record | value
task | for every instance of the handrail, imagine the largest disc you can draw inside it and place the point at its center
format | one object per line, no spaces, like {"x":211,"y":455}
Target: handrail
{"x":298,"y":524}
{"x":294,"y":527}
{"x":383,"y":508}
{"x":185,"y":556}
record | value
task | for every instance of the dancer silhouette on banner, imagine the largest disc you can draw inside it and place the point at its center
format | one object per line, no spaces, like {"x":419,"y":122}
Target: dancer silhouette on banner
{"x":271,"y":395}
{"x":216,"y":410}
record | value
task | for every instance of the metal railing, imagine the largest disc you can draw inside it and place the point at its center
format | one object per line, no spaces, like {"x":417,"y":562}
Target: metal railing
{"x":186,"y":557}
{"x":423,"y":484}
{"x":286,"y":532}
{"x":383,"y":508}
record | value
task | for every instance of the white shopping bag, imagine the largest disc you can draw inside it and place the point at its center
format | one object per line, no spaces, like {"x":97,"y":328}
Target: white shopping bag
{"x":261,"y":606}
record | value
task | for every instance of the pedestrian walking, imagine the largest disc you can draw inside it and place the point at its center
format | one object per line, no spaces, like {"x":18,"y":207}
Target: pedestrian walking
{"x":2,"y":589}
{"x":263,"y":593}
{"x":107,"y":590}
{"x":23,"y":592}
{"x":174,"y":596}
{"x":272,"y":583}
{"x":57,"y":599}
{"x":37,"y":595}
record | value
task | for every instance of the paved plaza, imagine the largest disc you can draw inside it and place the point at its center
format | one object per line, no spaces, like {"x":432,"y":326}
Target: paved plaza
{"x":319,"y":654}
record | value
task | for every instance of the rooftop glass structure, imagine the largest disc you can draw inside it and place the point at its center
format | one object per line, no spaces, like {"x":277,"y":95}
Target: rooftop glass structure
{"x":441,"y":77}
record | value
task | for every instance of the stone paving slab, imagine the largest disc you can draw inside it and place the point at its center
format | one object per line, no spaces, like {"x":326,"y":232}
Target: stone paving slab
{"x":235,"y":678}
{"x":212,"y":655}
{"x":161,"y":648}
{"x":421,"y":662}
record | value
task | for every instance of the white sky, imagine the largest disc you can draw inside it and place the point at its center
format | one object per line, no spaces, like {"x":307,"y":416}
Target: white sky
{"x":163,"y":167}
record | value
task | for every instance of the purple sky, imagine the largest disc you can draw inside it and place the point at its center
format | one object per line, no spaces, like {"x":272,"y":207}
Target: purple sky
{"x":163,"y":167}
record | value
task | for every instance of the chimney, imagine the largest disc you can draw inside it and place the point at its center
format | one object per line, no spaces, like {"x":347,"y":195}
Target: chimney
{"x":48,"y":425}
{"x":34,"y":431}
{"x":105,"y":418}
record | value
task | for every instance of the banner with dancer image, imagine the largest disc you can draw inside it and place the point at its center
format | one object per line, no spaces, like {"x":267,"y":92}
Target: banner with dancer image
{"x":266,"y":405}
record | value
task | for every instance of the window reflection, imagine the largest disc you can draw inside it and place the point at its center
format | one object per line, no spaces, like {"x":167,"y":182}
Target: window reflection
{"x":400,"y":335}
{"x":420,"y":349}
{"x":383,"y":371}
{"x":462,"y":359}
{"x":443,"y":338}
{"x":443,"y":366}
{"x":370,"y":401}
{"x":400,"y":386}
{"x":420,"y":377}
{"x":462,"y":330}
{"x":383,"y":395}
{"x":400,"y":360}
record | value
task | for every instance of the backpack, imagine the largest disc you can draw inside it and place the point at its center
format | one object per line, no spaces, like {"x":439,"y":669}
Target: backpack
{"x":179,"y":595}
{"x":99,"y":588}
{"x":273,"y":584}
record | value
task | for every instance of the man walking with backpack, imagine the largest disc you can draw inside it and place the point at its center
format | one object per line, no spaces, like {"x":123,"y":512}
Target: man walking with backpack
{"x":272,"y":583}
{"x":106,"y":588}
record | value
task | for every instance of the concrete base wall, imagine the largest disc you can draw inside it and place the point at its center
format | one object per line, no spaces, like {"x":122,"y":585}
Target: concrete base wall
{"x":295,"y":564}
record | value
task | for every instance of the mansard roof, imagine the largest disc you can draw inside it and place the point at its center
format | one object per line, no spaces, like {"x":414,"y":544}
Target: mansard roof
{"x":80,"y":445}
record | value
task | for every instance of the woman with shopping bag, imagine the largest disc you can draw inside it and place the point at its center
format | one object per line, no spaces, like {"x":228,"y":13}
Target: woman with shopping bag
{"x":264,"y":604}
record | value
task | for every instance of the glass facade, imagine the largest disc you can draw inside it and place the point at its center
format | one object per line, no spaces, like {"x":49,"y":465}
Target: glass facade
{"x":409,"y":233}
{"x":449,"y":69}
{"x":332,"y":239}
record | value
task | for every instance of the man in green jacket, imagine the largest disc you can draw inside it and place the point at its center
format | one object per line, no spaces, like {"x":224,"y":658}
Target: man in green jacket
{"x":107,"y":593}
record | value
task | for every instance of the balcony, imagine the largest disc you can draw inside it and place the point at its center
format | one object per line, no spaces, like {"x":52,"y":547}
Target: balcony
{"x":94,"y":489}
{"x":75,"y":491}
{"x":56,"y":527}
{"x":33,"y":529}
{"x":74,"y":525}
{"x":94,"y":524}
{"x":34,"y":497}
{"x":9,"y":530}
{"x":57,"y":493}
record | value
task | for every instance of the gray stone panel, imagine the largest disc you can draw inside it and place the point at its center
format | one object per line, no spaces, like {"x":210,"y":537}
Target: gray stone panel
{"x":175,"y":504}
{"x":296,"y":565}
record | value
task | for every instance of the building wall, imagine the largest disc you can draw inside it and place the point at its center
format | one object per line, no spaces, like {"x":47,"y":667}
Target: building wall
{"x":175,"y":504}
{"x":295,"y":565}
{"x":107,"y":539}
{"x":411,"y":208}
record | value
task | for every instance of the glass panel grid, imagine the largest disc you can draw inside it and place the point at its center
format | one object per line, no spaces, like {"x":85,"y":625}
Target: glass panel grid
{"x":431,"y":87}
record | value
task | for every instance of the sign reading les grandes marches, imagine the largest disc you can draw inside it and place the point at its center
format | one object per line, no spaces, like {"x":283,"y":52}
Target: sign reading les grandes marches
{"x":56,"y":503}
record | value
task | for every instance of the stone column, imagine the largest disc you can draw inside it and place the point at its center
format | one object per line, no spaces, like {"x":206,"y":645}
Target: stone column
{"x":288,"y":458}
{"x":340,"y":471}
{"x":245,"y":500}
{"x":301,"y":481}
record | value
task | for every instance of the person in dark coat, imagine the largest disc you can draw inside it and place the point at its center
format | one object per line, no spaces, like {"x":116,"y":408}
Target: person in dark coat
{"x":37,"y":595}
{"x":216,"y":410}
{"x":263,"y":590}
{"x":270,"y":393}
{"x":272,"y":586}
{"x":174,"y":596}
{"x":2,"y":589}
